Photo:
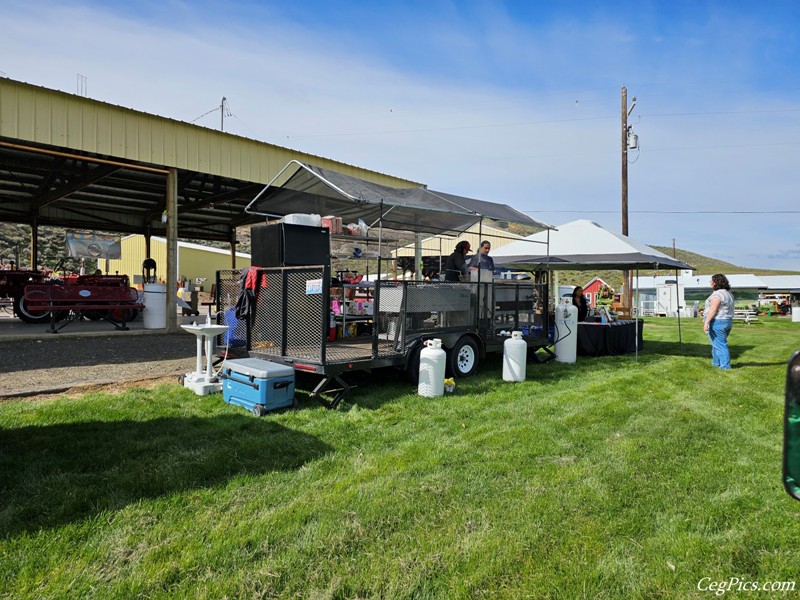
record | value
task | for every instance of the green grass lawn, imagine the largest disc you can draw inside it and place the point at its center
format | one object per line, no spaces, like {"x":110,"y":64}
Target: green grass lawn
{"x":609,"y":478}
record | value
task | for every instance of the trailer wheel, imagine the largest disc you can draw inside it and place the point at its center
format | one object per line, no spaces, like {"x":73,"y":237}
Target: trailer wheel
{"x":462,"y":358}
{"x":258,"y":410}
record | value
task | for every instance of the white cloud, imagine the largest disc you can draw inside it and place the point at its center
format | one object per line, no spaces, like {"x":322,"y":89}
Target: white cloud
{"x":526,"y":135}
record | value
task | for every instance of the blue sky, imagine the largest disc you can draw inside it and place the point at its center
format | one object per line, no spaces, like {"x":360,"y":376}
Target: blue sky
{"x":516,"y":102}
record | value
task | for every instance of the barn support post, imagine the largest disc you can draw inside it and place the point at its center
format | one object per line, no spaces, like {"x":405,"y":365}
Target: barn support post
{"x":172,"y":250}
{"x":147,"y":235}
{"x":34,"y":243}
{"x":233,"y":247}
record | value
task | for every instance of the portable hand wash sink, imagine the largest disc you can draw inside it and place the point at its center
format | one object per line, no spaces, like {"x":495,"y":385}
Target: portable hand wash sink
{"x":258,"y":385}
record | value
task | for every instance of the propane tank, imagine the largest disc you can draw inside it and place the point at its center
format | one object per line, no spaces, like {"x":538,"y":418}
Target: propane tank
{"x":515,"y":355}
{"x":431,"y":369}
{"x":566,"y":333}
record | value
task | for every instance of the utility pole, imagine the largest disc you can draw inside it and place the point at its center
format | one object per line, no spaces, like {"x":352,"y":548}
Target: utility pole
{"x":222,"y":114}
{"x":625,"y":138}
{"x":625,"y":163}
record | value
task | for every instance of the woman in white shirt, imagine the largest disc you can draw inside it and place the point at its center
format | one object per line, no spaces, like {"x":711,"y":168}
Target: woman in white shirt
{"x":718,"y":320}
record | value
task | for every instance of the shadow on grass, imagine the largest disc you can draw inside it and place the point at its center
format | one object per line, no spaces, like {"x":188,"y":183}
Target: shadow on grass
{"x":654,"y":348}
{"x":775,"y":363}
{"x":52,"y":475}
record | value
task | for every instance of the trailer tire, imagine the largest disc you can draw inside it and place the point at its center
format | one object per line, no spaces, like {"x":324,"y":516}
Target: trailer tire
{"x":463,"y":357}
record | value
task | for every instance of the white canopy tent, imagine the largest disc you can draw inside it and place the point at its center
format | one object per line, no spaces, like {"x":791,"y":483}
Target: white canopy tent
{"x":580,"y":245}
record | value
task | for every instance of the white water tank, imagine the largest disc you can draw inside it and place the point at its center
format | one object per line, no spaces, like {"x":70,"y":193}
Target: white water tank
{"x":515,"y":355}
{"x":566,"y":333}
{"x":431,"y":369}
{"x":155,"y":306}
{"x":794,"y":300}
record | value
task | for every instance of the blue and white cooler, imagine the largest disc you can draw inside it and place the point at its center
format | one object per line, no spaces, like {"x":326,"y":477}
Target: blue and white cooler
{"x":257,"y":385}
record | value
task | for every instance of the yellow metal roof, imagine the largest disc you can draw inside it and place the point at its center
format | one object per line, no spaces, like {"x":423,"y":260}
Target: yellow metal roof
{"x":70,"y":160}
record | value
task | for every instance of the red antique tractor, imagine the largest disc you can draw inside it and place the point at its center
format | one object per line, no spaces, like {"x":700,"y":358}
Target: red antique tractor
{"x":14,"y":281}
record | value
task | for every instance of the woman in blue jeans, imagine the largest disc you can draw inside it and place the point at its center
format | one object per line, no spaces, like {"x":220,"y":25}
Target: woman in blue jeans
{"x":718,"y":320}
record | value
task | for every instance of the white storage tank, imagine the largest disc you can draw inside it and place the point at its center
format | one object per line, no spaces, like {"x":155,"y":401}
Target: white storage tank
{"x":431,"y":369}
{"x":155,"y":306}
{"x":566,"y":332}
{"x":515,"y":354}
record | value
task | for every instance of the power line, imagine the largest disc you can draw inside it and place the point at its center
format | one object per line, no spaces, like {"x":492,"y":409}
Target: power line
{"x":533,"y":123}
{"x":452,"y":128}
{"x":674,"y":212}
{"x":208,"y":112}
{"x":723,"y":112}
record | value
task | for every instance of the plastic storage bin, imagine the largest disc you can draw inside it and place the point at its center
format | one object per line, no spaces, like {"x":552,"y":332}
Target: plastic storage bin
{"x":258,"y":385}
{"x":302,"y":219}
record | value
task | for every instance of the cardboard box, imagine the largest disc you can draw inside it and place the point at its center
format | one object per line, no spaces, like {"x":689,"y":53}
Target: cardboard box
{"x":332,"y":224}
{"x":257,"y":385}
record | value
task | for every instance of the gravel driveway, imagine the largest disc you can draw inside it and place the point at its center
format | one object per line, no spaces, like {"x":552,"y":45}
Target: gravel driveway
{"x":48,"y":365}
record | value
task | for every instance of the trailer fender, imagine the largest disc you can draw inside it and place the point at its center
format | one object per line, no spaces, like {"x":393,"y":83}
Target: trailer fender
{"x":449,"y":341}
{"x":412,"y":361}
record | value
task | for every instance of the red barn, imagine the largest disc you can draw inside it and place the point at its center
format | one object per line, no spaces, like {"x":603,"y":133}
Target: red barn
{"x":597,"y":289}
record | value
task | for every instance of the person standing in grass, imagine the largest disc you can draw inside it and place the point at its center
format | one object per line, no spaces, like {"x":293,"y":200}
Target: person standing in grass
{"x":718,"y":320}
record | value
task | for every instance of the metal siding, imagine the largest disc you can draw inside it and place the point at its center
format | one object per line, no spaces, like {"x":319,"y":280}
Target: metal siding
{"x":88,"y":126}
{"x":192,"y":262}
{"x":182,"y":147}
{"x":74,"y":126}
{"x":26,"y":109}
{"x":196,"y":263}
{"x":157,"y":153}
{"x":132,"y":129}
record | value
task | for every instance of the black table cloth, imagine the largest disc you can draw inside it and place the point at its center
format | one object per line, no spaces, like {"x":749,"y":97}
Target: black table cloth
{"x":599,"y":339}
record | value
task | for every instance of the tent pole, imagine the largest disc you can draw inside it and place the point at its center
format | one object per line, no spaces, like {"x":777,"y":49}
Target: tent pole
{"x":635,"y":315}
{"x":380,"y":242}
{"x":418,"y":257}
{"x":678,"y":298}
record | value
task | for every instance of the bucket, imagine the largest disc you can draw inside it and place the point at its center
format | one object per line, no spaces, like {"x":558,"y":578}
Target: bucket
{"x":515,"y":355}
{"x":236,"y":336}
{"x":155,"y":306}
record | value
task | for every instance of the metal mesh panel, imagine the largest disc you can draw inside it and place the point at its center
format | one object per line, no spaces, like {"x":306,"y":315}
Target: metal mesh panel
{"x":412,"y":308}
{"x":519,"y":307}
{"x":387,"y":324}
{"x":304,"y":315}
{"x":266,"y":330}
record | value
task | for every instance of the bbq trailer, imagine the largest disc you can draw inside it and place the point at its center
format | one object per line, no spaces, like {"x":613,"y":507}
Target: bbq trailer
{"x":294,"y":309}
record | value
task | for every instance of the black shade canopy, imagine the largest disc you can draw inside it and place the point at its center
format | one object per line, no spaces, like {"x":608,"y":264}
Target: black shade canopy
{"x":312,"y":189}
